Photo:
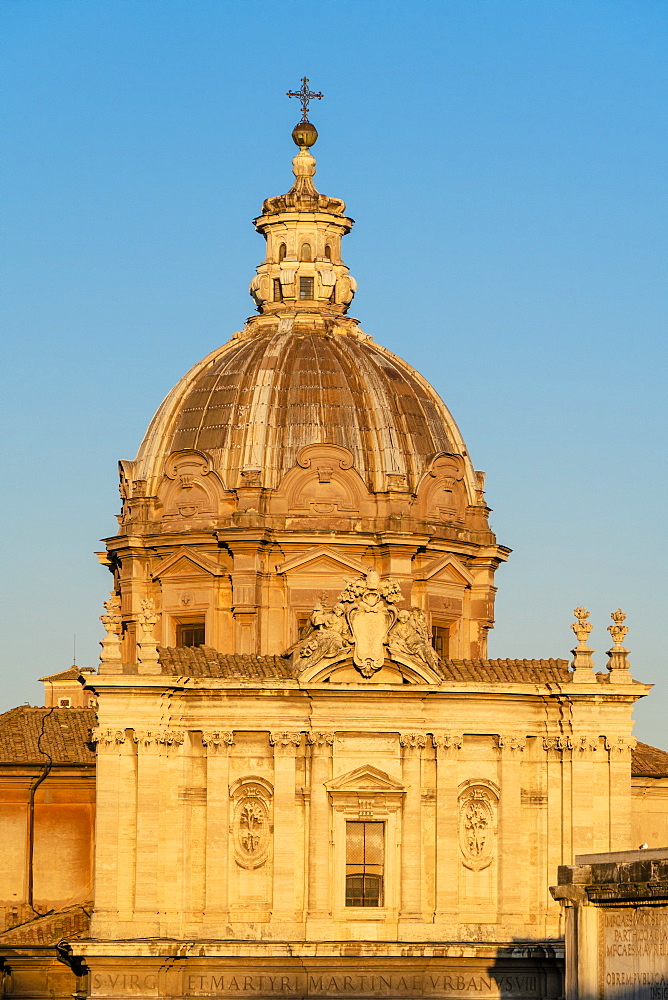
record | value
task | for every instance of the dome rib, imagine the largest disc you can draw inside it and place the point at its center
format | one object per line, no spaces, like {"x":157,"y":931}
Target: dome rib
{"x":255,"y":402}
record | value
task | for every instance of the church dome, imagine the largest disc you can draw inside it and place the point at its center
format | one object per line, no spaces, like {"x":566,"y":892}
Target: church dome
{"x":303,"y":372}
{"x":298,"y":453}
{"x":254,"y":403}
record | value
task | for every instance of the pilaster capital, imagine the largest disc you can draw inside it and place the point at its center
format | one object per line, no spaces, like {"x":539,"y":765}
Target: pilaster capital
{"x":172,"y":737}
{"x":586,"y":744}
{"x":447,"y":743}
{"x":557,"y":743}
{"x":147,"y":739}
{"x":285,"y":743}
{"x":618,"y":746}
{"x":217,"y":743}
{"x":412,"y":743}
{"x":320,"y":742}
{"x":152,"y":739}
{"x":107,"y":739}
{"x":511,"y":745}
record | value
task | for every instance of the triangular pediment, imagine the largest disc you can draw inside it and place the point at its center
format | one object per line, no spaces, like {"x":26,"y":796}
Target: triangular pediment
{"x":365,"y":779}
{"x":449,"y":568}
{"x":324,"y":557}
{"x":186,"y":562}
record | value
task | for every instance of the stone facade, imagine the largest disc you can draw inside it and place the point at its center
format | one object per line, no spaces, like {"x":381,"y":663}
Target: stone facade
{"x":311,"y":781}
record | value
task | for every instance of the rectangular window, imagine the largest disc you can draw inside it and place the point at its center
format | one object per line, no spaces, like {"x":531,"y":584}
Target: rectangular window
{"x":192,"y":634}
{"x":365,"y":863}
{"x":440,"y":640}
{"x":278,"y":291}
{"x":302,"y":622}
{"x":306,"y":288}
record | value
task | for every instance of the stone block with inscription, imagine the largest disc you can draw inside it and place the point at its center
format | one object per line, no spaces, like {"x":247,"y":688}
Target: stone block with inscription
{"x":616,"y":909}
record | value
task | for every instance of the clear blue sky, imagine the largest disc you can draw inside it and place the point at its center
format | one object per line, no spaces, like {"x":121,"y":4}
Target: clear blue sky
{"x":505,"y":161}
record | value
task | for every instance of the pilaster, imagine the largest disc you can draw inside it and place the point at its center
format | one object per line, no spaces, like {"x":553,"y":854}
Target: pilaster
{"x":217,"y":747}
{"x":511,"y":750}
{"x":319,"y":902}
{"x":285,"y":746}
{"x":148,"y":819}
{"x":175,"y":859}
{"x":411,"y":832}
{"x":447,"y":747}
{"x":585,"y":751}
{"x":619,"y":757}
{"x":110,"y":745}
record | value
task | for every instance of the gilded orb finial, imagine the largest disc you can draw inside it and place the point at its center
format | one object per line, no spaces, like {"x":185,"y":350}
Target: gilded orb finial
{"x":304,"y":134}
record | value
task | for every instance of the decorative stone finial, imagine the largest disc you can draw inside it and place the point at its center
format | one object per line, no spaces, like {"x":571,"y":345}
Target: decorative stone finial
{"x":110,"y":656}
{"x":582,"y":659}
{"x":618,"y":664}
{"x":581,"y":627}
{"x":147,"y":649}
{"x":618,"y":630}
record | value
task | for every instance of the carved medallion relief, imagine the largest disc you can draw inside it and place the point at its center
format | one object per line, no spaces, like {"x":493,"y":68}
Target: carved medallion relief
{"x":477,"y":827}
{"x":251,"y":824}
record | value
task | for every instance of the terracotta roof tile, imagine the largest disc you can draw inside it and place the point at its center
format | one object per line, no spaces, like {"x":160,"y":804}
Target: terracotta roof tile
{"x":65,"y":735}
{"x":65,"y":675}
{"x":203,"y":661}
{"x":506,"y":671}
{"x":649,"y":762}
{"x":70,"y":922}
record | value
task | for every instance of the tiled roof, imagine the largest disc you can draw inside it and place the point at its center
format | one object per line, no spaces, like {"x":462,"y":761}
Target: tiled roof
{"x":65,"y":675}
{"x":649,"y":762}
{"x":506,"y":671}
{"x":70,"y":922}
{"x":203,"y":661}
{"x":65,"y":735}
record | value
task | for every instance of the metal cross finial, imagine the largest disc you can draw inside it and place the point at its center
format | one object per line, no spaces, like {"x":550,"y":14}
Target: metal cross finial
{"x":304,"y":95}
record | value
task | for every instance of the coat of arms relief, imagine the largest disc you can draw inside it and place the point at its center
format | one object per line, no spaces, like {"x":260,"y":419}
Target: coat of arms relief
{"x":365,"y":624}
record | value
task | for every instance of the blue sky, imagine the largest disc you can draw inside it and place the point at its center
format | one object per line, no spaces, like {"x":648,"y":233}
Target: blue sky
{"x":505,"y":161}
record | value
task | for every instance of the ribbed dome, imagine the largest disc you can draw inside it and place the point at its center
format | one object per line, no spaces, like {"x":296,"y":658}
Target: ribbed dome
{"x":254,"y":403}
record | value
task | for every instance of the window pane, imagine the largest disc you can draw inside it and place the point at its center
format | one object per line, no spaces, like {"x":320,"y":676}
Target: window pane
{"x":440,"y":636}
{"x":365,"y":859}
{"x":306,"y":288}
{"x":190,"y":635}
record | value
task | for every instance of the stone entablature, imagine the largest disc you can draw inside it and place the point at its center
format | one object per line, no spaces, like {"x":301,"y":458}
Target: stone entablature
{"x":376,"y":969}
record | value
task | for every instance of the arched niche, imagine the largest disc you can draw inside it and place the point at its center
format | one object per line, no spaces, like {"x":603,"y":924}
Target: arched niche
{"x":323,"y":483}
{"x":190,"y":488}
{"x":441,"y":493}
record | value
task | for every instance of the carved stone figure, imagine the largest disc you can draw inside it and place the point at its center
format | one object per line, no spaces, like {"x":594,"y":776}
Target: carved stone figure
{"x":327,"y":635}
{"x":410,"y":637}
